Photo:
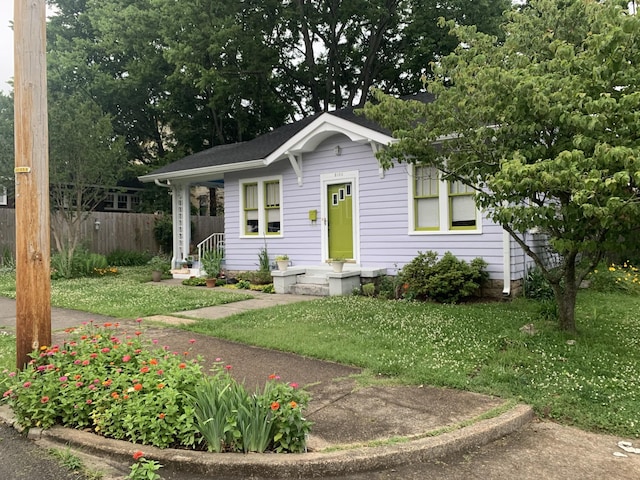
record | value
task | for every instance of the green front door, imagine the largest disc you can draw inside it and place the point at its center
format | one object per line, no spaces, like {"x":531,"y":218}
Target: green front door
{"x":340,"y":220}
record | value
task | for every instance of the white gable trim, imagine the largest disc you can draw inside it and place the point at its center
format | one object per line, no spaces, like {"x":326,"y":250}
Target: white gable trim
{"x":325,"y":126}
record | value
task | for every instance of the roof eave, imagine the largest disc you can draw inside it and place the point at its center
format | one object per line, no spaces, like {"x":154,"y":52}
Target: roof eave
{"x":210,"y":173}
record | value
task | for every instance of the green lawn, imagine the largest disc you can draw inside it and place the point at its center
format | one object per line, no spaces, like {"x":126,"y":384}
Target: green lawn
{"x":589,"y":380}
{"x":126,"y":295}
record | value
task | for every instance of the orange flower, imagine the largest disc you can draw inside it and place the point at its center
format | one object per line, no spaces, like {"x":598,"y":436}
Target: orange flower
{"x":161,"y":386}
{"x":182,"y":365}
{"x":293,"y":404}
{"x":275,"y":406}
{"x":137,"y":387}
{"x":115,"y":395}
{"x":153,"y":361}
{"x":138,"y":455}
{"x":161,"y":415}
{"x":144,"y":369}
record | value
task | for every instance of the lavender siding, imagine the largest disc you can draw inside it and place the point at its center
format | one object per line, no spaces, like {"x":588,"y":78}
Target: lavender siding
{"x":384,"y":237}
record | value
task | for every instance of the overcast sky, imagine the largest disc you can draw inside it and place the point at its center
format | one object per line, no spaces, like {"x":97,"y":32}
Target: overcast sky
{"x":6,"y":44}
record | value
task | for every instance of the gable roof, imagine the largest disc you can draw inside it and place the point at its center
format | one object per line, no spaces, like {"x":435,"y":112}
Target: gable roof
{"x":293,"y":138}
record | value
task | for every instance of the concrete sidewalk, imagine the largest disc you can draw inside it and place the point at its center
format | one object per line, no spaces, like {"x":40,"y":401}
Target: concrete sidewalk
{"x":357,"y":430}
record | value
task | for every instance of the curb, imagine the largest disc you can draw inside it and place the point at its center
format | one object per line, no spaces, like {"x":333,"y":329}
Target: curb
{"x":308,"y":465}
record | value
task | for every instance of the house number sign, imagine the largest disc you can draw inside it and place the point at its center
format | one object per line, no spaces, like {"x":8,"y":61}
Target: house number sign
{"x":22,"y":170}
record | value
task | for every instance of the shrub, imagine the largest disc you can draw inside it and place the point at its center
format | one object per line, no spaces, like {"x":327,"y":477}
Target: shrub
{"x":536,"y":286}
{"x":259,"y":277}
{"x":390,"y":287}
{"x":195,"y":282}
{"x":447,"y":280}
{"x":104,"y":378}
{"x":369,"y":289}
{"x":108,"y":380}
{"x":128,"y":258}
{"x":81,"y":264}
{"x":622,"y":277}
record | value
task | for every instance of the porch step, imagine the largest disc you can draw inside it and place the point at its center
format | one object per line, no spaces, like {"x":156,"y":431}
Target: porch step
{"x":319,"y":290}
{"x":317,"y":279}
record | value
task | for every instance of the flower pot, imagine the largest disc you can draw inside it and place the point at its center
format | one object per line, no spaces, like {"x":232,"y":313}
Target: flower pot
{"x":211,"y":282}
{"x":337,"y":266}
{"x":282,"y":264}
{"x":156,"y":275}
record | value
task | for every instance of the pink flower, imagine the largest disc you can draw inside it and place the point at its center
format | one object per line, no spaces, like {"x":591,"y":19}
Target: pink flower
{"x":63,"y":378}
{"x":26,"y":384}
{"x":7,"y":393}
{"x":227,"y":367}
{"x":12,"y":374}
{"x":91,"y":387}
{"x":293,"y":385}
{"x":193,"y":340}
{"x":160,"y":372}
{"x":218,"y":359}
{"x":126,"y":358}
{"x":44,"y":399}
{"x":89,"y":401}
{"x":139,"y":320}
{"x":155,"y":341}
{"x":105,"y":350}
{"x":79,"y":384}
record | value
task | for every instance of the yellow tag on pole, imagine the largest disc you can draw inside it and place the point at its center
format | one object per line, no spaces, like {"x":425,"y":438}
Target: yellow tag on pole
{"x":22,"y":170}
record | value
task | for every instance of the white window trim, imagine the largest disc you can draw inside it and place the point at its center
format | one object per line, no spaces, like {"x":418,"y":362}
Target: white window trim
{"x":262,"y":211}
{"x":443,"y":211}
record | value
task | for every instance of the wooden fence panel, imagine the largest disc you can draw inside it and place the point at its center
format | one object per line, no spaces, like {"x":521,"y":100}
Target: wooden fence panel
{"x":103,"y":232}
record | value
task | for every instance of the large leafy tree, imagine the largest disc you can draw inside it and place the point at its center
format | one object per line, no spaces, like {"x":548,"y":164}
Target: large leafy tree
{"x":545,"y":125}
{"x":86,"y":160}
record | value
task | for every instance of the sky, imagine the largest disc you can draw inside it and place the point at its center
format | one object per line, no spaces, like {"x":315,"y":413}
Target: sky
{"x":6,"y":45}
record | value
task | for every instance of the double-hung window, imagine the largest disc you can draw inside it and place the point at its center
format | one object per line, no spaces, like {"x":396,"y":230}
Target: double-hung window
{"x":261,"y":207}
{"x":3,"y":195}
{"x":439,"y":205}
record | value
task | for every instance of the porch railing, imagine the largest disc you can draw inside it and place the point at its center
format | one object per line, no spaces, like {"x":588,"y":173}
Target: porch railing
{"x":215,"y":241}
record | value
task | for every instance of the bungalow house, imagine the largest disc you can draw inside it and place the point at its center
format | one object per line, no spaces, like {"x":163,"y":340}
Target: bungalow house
{"x":314,"y":190}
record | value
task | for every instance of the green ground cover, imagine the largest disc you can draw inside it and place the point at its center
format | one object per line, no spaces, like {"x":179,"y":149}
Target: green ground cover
{"x":126,"y":295}
{"x":589,"y":379}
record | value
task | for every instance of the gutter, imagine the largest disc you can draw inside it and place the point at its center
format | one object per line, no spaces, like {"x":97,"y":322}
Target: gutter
{"x":506,"y":263}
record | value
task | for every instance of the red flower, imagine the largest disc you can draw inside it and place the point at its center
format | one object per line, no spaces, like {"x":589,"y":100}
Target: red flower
{"x":144,"y":369}
{"x":138,"y":455}
{"x":182,"y":365}
{"x":44,"y":399}
{"x":275,"y":406}
{"x":137,"y":387}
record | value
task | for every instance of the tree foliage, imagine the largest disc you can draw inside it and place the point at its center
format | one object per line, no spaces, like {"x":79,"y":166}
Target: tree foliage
{"x":544,"y":124}
{"x":86,"y":160}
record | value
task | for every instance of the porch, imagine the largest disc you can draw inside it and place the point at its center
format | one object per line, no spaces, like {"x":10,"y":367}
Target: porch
{"x":322,"y":280}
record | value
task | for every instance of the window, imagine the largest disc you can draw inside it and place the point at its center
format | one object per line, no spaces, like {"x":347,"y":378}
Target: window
{"x":440,"y":205}
{"x":251,"y":223}
{"x":124,"y":202}
{"x":426,"y":183}
{"x":3,"y":196}
{"x":261,"y":205}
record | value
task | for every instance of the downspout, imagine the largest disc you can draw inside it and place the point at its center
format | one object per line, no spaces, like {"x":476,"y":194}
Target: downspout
{"x":506,"y":263}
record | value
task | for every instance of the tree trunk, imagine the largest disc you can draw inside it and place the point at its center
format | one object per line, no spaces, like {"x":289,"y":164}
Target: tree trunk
{"x":566,"y":294}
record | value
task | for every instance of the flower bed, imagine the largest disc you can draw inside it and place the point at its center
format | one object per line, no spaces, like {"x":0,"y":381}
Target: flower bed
{"x":113,"y":382}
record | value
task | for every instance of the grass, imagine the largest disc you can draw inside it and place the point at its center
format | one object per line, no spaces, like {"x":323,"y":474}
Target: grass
{"x":126,"y":295}
{"x":589,"y":380}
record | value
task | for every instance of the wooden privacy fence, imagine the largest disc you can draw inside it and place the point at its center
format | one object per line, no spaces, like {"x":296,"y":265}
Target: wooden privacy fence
{"x":103,"y":232}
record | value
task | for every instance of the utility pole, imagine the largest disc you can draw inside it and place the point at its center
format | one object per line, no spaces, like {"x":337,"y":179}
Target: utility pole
{"x":33,"y":250}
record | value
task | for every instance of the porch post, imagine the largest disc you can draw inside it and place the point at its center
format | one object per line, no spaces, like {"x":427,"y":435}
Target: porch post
{"x":181,"y":223}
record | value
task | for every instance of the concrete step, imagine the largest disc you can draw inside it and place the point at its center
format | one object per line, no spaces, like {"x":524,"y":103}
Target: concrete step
{"x":310,"y":289}
{"x":313,"y":279}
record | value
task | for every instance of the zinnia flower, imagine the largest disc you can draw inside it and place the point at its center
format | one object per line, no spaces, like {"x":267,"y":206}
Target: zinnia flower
{"x":138,"y":455}
{"x":44,"y":399}
{"x":275,"y":406}
{"x":126,"y":358}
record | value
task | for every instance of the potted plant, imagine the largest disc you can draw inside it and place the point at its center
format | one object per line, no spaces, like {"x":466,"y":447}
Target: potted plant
{"x":282,"y":261}
{"x":337,"y":263}
{"x":211,"y":262}
{"x":159,"y":266}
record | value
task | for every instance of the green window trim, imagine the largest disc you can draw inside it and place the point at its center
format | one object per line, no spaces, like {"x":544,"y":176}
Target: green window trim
{"x":261,"y":207}
{"x":459,"y":191}
{"x":426,"y":190}
{"x":251,"y":213}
